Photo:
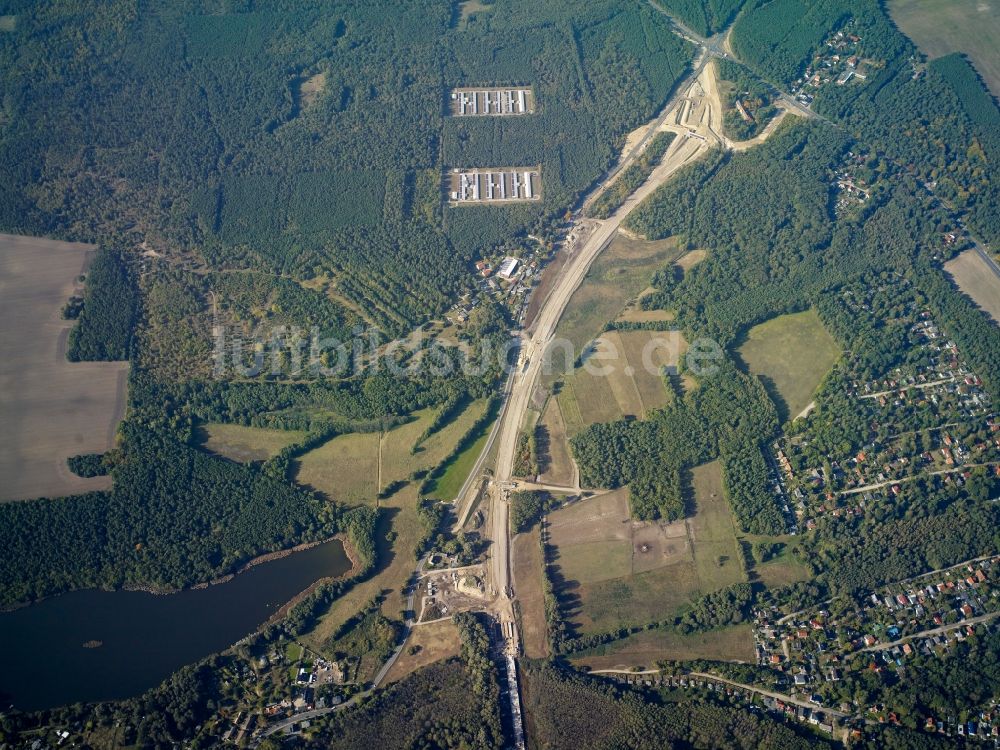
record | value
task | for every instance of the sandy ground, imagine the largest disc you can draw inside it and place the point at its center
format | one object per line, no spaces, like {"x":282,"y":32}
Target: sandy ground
{"x":434,"y":642}
{"x":50,"y":408}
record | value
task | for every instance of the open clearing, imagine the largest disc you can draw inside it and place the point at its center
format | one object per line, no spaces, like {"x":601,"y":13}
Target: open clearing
{"x":527,"y":562}
{"x":940,"y":27}
{"x":311,"y":88}
{"x":976,"y":278}
{"x":50,"y":408}
{"x":468,"y":9}
{"x":450,"y":483}
{"x":396,"y":560}
{"x":617,"y":572}
{"x":554,"y":457}
{"x":782,"y":571}
{"x":347,"y":468}
{"x":790,"y":354}
{"x":434,"y":642}
{"x":620,"y":273}
{"x":622,"y":376}
{"x":648,"y":647}
{"x":713,"y":536}
{"x":344,"y":469}
{"x":246,"y":444}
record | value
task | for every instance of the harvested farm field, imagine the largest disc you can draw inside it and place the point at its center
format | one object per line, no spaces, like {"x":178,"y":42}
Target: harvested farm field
{"x":51,"y":408}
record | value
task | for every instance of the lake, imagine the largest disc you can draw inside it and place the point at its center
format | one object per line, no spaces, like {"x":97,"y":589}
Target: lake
{"x":143,"y":638}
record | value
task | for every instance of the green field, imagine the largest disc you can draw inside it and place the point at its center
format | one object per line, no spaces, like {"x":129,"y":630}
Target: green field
{"x":940,"y":27}
{"x":245,"y":444}
{"x":782,"y":571}
{"x":344,"y":469}
{"x":450,"y":483}
{"x":790,"y":354}
{"x":646,"y":648}
{"x":635,"y":600}
{"x":597,"y":561}
{"x":622,"y":378}
{"x":620,"y":273}
{"x":713,"y":535}
{"x":353,"y":468}
{"x":618,"y":573}
{"x":400,"y":527}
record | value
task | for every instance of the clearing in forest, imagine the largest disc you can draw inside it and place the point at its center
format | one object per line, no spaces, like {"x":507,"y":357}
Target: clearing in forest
{"x":783,"y":570}
{"x":427,"y":644}
{"x":790,"y":354}
{"x":645,"y":649}
{"x":527,"y":563}
{"x":555,"y":460}
{"x":245,"y":444}
{"x":613,"y":572}
{"x":623,"y":377}
{"x":50,"y":408}
{"x":355,"y":467}
{"x":345,"y":468}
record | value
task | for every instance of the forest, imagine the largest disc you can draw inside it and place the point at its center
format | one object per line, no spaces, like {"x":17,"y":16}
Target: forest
{"x":936,"y":121}
{"x":453,"y":704}
{"x":727,"y":416}
{"x":527,"y":509}
{"x":151,"y":127}
{"x":175,"y":516}
{"x":569,"y":710}
{"x":705,"y":17}
{"x":111,"y":309}
{"x":668,"y":211}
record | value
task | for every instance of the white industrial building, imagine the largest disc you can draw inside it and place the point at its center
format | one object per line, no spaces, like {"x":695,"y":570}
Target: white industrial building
{"x":507,"y":268}
{"x":495,"y":102}
{"x":490,"y":185}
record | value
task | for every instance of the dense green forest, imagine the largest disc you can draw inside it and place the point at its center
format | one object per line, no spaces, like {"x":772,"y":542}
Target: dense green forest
{"x":149,"y":124}
{"x":175,"y":516}
{"x":668,"y":211}
{"x":527,"y":508}
{"x":778,"y":37}
{"x":704,"y":17}
{"x":937,"y":121}
{"x":111,"y":309}
{"x":453,"y":704}
{"x":569,"y":710}
{"x":727,"y":416}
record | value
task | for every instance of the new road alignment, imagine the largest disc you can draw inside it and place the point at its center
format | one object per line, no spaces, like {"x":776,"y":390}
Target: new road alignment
{"x":696,"y":109}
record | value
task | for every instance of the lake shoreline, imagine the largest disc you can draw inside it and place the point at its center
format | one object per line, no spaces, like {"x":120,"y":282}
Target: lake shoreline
{"x":349,"y":551}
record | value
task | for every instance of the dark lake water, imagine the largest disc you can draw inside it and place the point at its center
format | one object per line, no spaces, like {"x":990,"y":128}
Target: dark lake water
{"x":145,"y":638}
